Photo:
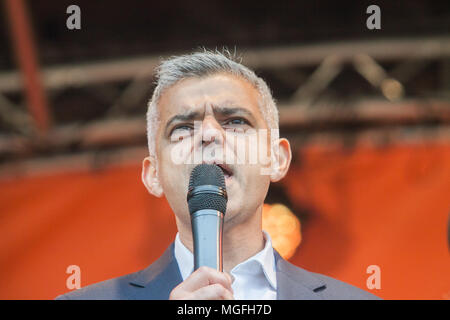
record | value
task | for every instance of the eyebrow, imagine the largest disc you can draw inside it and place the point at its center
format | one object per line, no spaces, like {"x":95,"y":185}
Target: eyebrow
{"x":223,"y":111}
{"x":188,"y":116}
{"x":228,"y":111}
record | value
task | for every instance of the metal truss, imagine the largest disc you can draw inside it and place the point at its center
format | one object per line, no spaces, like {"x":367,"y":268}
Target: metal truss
{"x":305,"y":73}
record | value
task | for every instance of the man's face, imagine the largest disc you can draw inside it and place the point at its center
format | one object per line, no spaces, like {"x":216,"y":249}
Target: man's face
{"x":210,"y":117}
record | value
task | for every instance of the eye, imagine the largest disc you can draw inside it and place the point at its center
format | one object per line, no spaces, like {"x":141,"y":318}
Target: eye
{"x":181,"y":127}
{"x":237,"y":121}
{"x":180,"y":131}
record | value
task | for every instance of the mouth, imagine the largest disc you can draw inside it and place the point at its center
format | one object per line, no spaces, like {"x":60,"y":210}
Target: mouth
{"x":227,"y":172}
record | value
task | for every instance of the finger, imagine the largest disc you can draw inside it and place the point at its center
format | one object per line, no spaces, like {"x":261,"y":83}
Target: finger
{"x":212,"y":292}
{"x":230,"y":277}
{"x":205,"y":276}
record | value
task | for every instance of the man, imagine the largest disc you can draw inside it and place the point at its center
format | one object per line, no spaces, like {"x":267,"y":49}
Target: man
{"x":206,"y":108}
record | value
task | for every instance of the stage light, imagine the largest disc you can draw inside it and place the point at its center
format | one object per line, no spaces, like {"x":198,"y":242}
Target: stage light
{"x":283,"y":227}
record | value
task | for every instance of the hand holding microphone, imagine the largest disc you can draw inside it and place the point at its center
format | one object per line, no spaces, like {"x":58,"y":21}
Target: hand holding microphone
{"x":207,"y":201}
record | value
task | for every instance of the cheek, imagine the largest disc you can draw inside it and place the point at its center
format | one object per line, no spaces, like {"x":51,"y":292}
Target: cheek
{"x":171,"y":174}
{"x":174,"y":181}
{"x":250,"y":149}
{"x":249,"y":193}
{"x":180,"y":152}
{"x":175,"y":190}
{"x":258,"y":179}
{"x":251,"y":183}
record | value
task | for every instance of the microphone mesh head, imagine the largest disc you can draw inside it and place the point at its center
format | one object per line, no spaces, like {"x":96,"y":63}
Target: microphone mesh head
{"x":207,"y":174}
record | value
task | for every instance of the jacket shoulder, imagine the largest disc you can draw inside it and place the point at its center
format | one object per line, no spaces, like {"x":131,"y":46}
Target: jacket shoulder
{"x":298,"y":283}
{"x":154,"y":282}
{"x":338,"y":290}
{"x":112,"y":289}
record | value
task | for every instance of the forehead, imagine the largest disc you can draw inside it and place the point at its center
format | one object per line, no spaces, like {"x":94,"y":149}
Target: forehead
{"x":216,"y":90}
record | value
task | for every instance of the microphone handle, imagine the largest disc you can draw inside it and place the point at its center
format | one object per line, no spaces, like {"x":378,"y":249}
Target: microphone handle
{"x":207,"y":231}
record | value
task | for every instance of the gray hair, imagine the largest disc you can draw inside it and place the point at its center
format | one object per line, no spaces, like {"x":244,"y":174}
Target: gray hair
{"x":199,"y":64}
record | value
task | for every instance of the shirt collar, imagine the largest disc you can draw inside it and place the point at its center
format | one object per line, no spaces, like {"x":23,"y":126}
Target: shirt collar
{"x":264,"y":258}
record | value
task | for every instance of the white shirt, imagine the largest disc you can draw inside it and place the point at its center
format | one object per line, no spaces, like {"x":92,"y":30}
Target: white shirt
{"x":254,"y":279}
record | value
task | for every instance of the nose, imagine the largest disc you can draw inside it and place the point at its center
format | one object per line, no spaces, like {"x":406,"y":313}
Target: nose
{"x":212,"y":132}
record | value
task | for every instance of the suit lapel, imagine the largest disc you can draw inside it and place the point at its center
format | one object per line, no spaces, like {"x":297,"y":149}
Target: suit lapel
{"x":294,"y":283}
{"x":158,"y":280}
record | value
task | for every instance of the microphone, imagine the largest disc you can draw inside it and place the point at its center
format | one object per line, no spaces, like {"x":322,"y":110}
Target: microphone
{"x":207,"y":201}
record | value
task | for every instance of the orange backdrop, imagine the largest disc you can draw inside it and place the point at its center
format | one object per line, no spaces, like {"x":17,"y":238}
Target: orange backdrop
{"x":385,"y":206}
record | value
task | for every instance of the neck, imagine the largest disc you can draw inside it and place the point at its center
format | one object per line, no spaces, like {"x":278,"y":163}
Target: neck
{"x":240,"y":241}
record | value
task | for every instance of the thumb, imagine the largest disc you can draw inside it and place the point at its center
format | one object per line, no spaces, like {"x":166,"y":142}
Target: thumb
{"x":230,"y":277}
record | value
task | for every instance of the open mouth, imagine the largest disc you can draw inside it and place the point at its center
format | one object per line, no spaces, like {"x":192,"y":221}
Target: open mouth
{"x":226,"y":170}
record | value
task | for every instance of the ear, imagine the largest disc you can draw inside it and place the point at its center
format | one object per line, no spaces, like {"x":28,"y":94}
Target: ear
{"x":281,"y":160}
{"x":150,"y":177}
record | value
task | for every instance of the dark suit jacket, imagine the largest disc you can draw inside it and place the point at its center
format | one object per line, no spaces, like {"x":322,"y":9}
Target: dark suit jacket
{"x":157,"y":281}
